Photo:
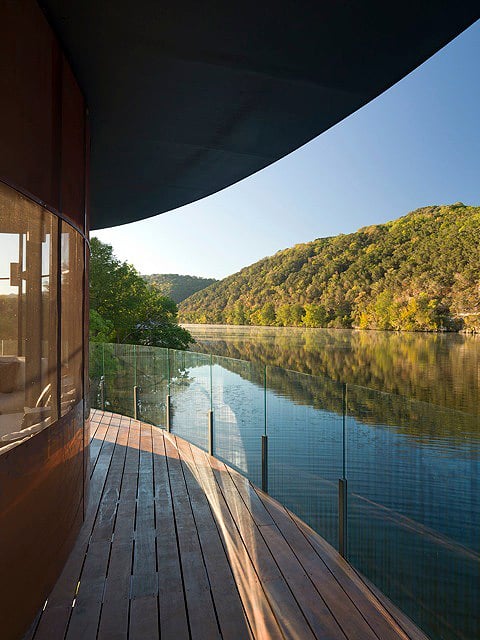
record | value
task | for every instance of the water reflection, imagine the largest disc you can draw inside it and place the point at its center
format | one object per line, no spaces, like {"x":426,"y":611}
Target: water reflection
{"x":443,"y":369}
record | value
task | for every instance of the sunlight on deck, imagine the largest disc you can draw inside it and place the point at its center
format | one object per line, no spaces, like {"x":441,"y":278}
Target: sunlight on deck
{"x":176,"y":544}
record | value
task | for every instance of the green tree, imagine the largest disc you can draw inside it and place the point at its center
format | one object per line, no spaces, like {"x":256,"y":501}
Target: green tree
{"x":297,"y":313}
{"x":315,"y":315}
{"x":384,"y":311}
{"x":267,"y":314}
{"x":101,"y":330}
{"x":237,"y":315}
{"x":125,"y":308}
{"x":283,"y":315}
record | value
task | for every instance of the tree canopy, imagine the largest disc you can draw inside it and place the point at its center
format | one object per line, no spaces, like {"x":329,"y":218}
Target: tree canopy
{"x":126,"y":309}
{"x":420,"y":272}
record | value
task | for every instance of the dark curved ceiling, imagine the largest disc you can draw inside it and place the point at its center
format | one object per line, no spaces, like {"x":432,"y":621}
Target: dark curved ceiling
{"x":186,"y":98}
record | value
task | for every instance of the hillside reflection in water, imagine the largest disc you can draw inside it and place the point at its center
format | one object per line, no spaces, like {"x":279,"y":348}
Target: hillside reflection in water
{"x":441,"y":368}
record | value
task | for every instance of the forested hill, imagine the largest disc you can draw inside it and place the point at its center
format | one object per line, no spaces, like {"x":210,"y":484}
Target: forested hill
{"x":418,"y":273}
{"x":176,"y":286}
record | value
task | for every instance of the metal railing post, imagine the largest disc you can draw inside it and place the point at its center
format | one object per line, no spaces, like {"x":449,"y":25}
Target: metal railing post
{"x":265,"y":436}
{"x":169,"y":414}
{"x":265,"y":463}
{"x":135,"y":402}
{"x":342,"y":517}
{"x":210,"y":432}
{"x":211,"y":382}
{"x":342,"y":484}
{"x":168,"y":405}
{"x":265,"y":399}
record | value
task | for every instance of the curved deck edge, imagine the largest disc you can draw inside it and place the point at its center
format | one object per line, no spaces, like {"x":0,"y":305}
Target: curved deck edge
{"x":179,"y":545}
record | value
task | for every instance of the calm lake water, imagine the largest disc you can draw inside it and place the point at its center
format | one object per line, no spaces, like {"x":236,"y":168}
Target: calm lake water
{"x":443,"y":369}
{"x":412,"y":444}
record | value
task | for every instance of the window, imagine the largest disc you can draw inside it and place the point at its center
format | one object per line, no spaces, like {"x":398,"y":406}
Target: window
{"x":72,"y":317}
{"x":38,"y":278}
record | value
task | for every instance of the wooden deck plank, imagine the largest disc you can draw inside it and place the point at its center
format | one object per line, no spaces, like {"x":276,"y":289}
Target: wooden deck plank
{"x":178,"y":545}
{"x":116,"y":601}
{"x":332,"y":595}
{"x":256,"y":507}
{"x":85,"y":616}
{"x":349,"y":618}
{"x":171,"y":596}
{"x":94,"y":422}
{"x":144,"y":619}
{"x":99,"y":470}
{"x":97,"y":443}
{"x":65,"y":589}
{"x":200,"y":606}
{"x":145,"y":516}
{"x":125,"y":519}
{"x":403,"y":621}
{"x":287,"y":611}
{"x":257,"y":608}
{"x":107,"y":509}
{"x":231,"y":616}
{"x":377,"y":615}
{"x":144,"y":574}
{"x":313,"y":606}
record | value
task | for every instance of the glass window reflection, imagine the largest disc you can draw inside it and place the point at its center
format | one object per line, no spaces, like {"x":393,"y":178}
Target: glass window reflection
{"x":72,"y":325}
{"x":33,"y":391}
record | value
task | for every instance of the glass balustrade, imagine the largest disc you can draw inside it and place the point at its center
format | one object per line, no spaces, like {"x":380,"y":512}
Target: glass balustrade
{"x":414,"y":509}
{"x":391,"y":483}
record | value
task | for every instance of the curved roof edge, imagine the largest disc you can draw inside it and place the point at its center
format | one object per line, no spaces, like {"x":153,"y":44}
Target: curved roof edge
{"x":187,"y":99}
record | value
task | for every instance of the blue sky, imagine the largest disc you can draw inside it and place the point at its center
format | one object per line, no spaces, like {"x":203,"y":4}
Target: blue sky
{"x":415,"y":145}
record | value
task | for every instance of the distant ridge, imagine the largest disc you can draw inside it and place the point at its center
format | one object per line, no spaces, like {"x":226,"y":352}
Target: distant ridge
{"x":176,"y":286}
{"x":420,"y":272}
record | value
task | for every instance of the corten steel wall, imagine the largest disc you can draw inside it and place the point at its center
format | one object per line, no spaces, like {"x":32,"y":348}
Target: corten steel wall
{"x":43,"y":154}
{"x":42,"y":113}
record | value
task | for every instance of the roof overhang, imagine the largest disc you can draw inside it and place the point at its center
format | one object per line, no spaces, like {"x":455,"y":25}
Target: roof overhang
{"x":188,"y":98}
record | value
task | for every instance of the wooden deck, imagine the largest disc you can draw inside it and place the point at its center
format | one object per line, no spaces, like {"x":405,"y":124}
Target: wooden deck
{"x":177,"y":545}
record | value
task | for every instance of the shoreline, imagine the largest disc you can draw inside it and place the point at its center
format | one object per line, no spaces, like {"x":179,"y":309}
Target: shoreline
{"x":464,"y":331}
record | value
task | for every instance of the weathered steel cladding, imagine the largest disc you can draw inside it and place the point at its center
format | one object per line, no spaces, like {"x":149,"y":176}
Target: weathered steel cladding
{"x":41,"y":511}
{"x":42,"y":113}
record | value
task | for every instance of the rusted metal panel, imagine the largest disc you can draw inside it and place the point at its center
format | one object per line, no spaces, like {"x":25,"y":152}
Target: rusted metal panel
{"x":41,"y":510}
{"x":73,"y":149}
{"x":29,"y":122}
{"x":42,"y":113}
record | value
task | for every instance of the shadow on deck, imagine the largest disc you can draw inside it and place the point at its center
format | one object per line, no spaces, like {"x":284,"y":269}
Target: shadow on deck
{"x":178,"y":545}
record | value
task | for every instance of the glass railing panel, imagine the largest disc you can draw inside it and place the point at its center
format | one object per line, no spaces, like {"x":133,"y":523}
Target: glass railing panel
{"x":304,"y":428}
{"x":190,"y":393}
{"x":119,"y":378}
{"x":413,"y":508}
{"x":152,"y":384}
{"x":239,"y":414}
{"x":96,"y":354}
